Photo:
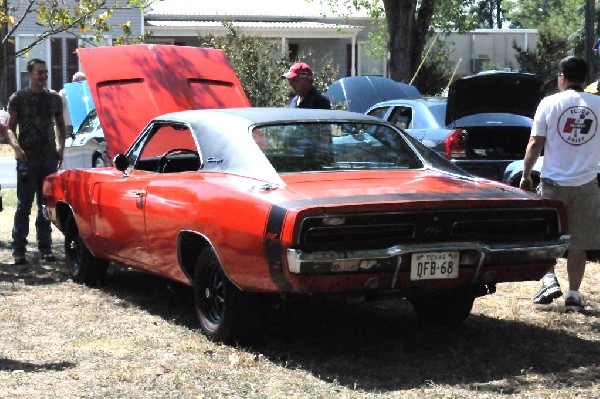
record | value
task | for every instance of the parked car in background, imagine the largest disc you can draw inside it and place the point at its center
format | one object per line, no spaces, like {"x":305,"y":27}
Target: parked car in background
{"x":514,"y":172}
{"x":86,"y":146}
{"x":272,"y":202}
{"x":482,"y":126}
{"x":358,"y":93}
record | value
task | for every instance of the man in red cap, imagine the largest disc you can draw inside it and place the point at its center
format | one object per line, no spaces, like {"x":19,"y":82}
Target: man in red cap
{"x":300,"y":77}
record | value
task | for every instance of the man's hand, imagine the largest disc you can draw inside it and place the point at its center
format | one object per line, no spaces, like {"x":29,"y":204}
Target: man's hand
{"x":20,"y":154}
{"x":525,"y":183}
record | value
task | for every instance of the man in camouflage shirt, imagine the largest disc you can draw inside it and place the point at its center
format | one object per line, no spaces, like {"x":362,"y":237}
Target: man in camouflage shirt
{"x":35,"y":110}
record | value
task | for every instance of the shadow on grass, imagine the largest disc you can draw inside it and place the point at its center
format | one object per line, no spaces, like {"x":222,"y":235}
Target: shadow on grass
{"x":14,"y":365}
{"x":381,"y":346}
{"x":34,"y":272}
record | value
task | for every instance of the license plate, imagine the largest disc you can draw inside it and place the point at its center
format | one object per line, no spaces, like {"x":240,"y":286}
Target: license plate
{"x":434,"y":265}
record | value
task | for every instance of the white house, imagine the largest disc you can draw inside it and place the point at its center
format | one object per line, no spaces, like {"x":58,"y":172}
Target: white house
{"x":59,"y":51}
{"x":340,"y":36}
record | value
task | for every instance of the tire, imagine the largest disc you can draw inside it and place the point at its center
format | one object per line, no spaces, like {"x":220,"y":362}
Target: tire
{"x":444,"y":309}
{"x":221,"y":307}
{"x":83,"y":267}
{"x":98,"y":161}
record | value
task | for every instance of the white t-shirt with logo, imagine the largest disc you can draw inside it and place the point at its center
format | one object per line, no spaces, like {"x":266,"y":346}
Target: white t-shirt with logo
{"x":569,"y":121}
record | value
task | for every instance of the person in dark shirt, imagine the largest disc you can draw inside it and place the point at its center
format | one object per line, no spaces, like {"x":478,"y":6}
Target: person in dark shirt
{"x":300,"y":78}
{"x":35,"y":112}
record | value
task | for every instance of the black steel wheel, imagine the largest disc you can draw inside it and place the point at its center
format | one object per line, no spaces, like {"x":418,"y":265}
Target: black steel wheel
{"x":82,"y":265}
{"x":220,"y":305}
{"x":445,"y":309}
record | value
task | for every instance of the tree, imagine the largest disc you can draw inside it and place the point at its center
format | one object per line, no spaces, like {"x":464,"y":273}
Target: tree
{"x":543,"y":60}
{"x":89,"y":18}
{"x":562,"y":17}
{"x":259,"y":64}
{"x":410,"y":24}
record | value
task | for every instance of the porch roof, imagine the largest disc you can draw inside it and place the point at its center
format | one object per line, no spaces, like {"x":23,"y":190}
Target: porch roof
{"x":301,"y":29}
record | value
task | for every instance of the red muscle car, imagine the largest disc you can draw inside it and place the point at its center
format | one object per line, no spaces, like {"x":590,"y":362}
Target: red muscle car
{"x":272,"y":201}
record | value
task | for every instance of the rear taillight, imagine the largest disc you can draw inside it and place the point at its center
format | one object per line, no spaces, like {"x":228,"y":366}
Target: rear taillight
{"x":456,"y":144}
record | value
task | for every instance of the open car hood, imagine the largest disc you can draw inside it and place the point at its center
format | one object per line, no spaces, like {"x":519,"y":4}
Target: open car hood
{"x":79,"y":100}
{"x":133,"y":84}
{"x":494,"y":92}
{"x":359,"y":93}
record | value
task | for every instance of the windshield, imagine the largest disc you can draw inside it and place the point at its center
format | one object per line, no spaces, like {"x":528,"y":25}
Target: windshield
{"x":308,"y":147}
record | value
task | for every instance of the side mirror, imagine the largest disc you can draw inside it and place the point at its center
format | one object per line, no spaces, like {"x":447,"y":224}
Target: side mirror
{"x":121,"y":163}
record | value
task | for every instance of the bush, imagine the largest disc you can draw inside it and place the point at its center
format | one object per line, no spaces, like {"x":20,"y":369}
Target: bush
{"x":259,"y":64}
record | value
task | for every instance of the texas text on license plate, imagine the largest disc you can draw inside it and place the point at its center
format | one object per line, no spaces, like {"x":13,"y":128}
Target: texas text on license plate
{"x":434,"y":265}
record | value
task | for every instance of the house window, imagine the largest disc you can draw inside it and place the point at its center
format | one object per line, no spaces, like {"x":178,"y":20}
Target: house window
{"x":40,"y":51}
{"x":368,"y":65}
{"x":293,"y":51}
{"x":60,"y":54}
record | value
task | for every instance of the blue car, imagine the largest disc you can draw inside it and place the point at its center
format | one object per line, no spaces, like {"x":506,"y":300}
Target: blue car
{"x":86,"y":146}
{"x":482,"y":126}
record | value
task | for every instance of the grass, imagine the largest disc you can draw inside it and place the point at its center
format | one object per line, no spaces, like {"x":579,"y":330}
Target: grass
{"x":6,"y":151}
{"x":136,"y":336}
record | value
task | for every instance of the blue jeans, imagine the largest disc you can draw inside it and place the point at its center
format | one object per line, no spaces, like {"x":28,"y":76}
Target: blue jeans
{"x":30,"y":180}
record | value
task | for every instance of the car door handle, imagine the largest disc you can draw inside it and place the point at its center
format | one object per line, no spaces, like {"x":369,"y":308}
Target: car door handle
{"x":139,"y":201}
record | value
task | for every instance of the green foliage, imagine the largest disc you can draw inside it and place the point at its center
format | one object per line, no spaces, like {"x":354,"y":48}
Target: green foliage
{"x":259,"y":64}
{"x":543,"y":60}
{"x":578,"y":37}
{"x":562,"y":17}
{"x":84,"y":18}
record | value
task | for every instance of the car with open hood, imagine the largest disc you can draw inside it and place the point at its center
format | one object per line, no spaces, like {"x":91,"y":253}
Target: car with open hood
{"x":241,"y":202}
{"x":85,"y":146}
{"x":358,"y":93}
{"x":482,"y":126}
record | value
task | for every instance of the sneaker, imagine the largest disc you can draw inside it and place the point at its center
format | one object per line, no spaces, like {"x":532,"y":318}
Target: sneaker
{"x":49,"y":257}
{"x":19,"y":260}
{"x":573,"y":304}
{"x":548,"y":293}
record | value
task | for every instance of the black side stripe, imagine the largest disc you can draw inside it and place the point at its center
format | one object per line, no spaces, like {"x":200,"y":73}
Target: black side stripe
{"x":273,"y":247}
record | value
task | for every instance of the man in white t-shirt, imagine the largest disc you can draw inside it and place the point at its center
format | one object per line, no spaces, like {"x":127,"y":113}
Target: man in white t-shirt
{"x":566,"y":127}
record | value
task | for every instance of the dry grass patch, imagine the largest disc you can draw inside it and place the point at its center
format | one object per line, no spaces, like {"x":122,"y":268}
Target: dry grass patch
{"x":135,"y":337}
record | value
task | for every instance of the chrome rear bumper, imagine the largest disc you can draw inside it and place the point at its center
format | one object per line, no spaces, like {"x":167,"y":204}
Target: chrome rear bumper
{"x":472,"y":254}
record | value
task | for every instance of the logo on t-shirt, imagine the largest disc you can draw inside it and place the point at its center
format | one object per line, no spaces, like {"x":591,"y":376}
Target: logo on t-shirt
{"x":577,"y":125}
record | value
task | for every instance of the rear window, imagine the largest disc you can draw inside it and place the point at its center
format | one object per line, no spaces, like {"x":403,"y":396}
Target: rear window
{"x":309,"y":147}
{"x":438,"y":111}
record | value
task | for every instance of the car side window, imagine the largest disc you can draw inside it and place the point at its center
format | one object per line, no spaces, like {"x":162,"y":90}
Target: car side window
{"x":169,"y":147}
{"x":378,"y":112}
{"x":401,"y":117}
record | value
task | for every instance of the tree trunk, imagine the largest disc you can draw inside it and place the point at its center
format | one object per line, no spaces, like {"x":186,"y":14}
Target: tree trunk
{"x":407,"y":28}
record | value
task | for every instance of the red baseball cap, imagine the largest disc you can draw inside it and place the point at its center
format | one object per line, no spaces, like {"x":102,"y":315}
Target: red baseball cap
{"x":299,"y":68}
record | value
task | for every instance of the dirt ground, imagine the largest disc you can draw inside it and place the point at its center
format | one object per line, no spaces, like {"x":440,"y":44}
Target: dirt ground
{"x":135,"y":336}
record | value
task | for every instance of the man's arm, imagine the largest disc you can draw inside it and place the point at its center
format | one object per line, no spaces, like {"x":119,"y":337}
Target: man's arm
{"x":534,"y":149}
{"x":12,"y":137}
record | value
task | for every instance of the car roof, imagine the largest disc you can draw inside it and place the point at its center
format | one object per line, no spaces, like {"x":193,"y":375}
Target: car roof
{"x":427,"y":101}
{"x":263,"y":115}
